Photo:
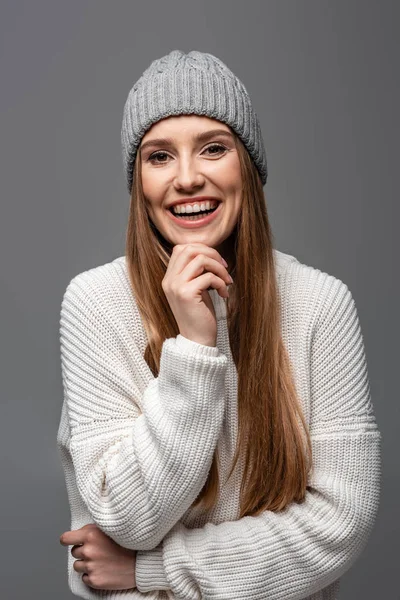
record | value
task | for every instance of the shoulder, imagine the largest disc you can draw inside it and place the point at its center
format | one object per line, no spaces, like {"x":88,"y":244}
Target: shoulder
{"x":308,"y":292}
{"x":104,"y":291}
{"x":103,"y":283}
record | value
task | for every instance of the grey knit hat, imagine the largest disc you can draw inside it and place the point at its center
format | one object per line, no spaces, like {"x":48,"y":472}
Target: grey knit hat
{"x":194,"y":83}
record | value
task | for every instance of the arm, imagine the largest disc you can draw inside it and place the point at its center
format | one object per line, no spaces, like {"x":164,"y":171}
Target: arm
{"x":306,"y":547}
{"x":137,"y":470}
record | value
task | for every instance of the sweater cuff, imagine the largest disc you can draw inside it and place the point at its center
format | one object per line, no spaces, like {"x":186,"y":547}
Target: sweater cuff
{"x":150,"y":573}
{"x":192,"y":347}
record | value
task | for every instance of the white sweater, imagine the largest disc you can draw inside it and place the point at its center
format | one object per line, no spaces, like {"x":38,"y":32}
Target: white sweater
{"x":136,"y":450}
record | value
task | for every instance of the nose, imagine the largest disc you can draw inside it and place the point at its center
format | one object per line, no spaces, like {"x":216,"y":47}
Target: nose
{"x":188,"y":174}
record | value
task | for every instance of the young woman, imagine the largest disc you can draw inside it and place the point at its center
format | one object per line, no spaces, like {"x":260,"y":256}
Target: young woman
{"x":217,"y":433}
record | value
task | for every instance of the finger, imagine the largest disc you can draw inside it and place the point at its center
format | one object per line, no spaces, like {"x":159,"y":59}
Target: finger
{"x":79,"y":566}
{"x":186,"y":256}
{"x":203,"y":280}
{"x":184,"y":252}
{"x":204,"y":249}
{"x":69,"y":538}
{"x":86,"y":580}
{"x":203,"y":264}
{"x":213,"y":252}
{"x":77,"y":551}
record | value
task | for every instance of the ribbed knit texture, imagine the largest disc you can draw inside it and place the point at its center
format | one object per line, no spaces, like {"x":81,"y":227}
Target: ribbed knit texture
{"x":194,"y":83}
{"x":136,"y":450}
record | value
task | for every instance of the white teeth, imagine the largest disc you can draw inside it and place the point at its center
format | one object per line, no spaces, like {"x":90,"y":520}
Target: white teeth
{"x":192,"y":208}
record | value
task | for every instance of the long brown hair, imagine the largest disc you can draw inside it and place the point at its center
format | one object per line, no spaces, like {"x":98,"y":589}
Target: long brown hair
{"x":276,"y":463}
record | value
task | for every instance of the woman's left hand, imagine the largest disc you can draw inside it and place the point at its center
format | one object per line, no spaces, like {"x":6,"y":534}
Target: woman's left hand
{"x":104,"y":564}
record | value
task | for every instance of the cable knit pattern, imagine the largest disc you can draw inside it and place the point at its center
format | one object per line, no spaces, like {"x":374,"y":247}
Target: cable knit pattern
{"x":136,"y":450}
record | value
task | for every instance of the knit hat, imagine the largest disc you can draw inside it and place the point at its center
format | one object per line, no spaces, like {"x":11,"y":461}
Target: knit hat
{"x":194,"y":83}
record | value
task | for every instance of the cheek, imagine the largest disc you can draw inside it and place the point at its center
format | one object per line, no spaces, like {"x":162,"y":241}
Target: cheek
{"x":229,"y":174}
{"x":152,"y":186}
{"x":235,"y":181}
{"x":232,"y":186}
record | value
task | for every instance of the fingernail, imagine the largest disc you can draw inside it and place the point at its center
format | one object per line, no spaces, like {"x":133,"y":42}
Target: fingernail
{"x":225,"y":263}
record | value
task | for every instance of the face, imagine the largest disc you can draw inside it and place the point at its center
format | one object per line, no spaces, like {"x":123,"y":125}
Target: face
{"x":184,"y":157}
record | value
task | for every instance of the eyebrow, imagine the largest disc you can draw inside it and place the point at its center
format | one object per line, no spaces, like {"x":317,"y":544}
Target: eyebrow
{"x":200,"y":137}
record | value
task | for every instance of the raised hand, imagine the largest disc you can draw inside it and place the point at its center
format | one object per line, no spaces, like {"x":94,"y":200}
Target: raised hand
{"x":193,"y":268}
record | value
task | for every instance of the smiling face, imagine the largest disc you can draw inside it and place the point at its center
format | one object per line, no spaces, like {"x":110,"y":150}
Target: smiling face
{"x":178,"y":165}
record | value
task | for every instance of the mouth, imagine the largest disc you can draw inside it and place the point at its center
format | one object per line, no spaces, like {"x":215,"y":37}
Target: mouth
{"x":192,"y":222}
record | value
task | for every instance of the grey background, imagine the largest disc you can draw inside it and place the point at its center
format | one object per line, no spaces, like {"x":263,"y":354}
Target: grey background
{"x":324,"y":79}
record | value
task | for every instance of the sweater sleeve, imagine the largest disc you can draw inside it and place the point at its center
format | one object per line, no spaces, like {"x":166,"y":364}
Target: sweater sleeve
{"x":141,"y":446}
{"x":294,"y":553}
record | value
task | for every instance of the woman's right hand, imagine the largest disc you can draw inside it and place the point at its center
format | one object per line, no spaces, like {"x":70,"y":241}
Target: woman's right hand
{"x":193,"y":268}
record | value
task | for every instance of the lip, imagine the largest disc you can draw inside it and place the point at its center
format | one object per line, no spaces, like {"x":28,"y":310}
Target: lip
{"x":199,"y":222}
{"x":196,"y":200}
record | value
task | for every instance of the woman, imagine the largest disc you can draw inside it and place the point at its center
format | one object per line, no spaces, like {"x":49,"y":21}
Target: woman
{"x":218,"y":439}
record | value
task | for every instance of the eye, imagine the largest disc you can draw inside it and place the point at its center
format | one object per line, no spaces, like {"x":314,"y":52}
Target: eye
{"x":219,"y":146}
{"x":157,"y":156}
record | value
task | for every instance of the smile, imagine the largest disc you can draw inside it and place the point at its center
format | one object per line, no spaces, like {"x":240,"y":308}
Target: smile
{"x":198,"y":222}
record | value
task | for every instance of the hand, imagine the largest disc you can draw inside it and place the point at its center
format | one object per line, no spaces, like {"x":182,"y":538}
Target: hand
{"x":105,"y":564}
{"x":185,"y":285}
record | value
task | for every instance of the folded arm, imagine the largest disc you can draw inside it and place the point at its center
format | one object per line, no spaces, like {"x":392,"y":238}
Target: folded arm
{"x":141,"y":446}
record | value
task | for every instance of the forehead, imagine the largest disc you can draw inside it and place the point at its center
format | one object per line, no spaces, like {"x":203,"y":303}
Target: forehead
{"x":183,"y":125}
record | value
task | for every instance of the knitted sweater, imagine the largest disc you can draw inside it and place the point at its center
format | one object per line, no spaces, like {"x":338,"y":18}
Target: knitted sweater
{"x":136,"y":450}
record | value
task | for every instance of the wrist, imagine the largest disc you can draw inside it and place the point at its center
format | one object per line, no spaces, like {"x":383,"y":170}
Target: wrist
{"x":198,"y":347}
